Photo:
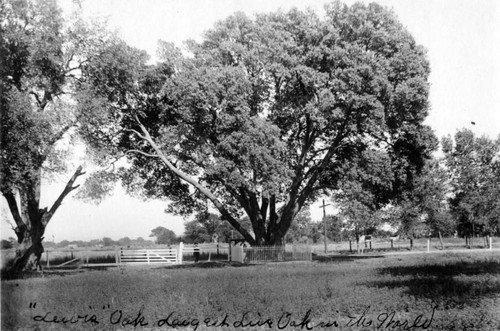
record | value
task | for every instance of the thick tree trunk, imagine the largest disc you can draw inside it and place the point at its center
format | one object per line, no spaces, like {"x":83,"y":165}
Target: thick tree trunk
{"x":31,"y":224}
{"x":441,"y":240}
{"x":28,"y":254}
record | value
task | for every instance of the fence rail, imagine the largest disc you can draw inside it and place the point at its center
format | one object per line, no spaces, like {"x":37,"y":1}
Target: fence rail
{"x":265,"y":253}
{"x":277,"y":253}
{"x":148,"y":256}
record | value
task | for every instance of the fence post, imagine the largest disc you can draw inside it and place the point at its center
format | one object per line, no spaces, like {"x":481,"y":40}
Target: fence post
{"x":428,"y":244}
{"x":491,"y":244}
{"x":48,"y":262}
{"x":180,"y":255}
{"x":350,"y":246}
{"x":87,"y":255}
{"x":392,"y":244}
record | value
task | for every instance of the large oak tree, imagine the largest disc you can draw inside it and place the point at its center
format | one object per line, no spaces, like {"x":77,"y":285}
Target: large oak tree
{"x":267,"y":113}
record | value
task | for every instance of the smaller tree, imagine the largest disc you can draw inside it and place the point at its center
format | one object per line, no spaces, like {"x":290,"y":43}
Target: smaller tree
{"x":359,"y":218}
{"x":196,"y":232}
{"x":163,"y":236}
{"x":422,"y":209}
{"x":107,"y":242}
{"x":141,"y":242}
{"x":369,"y":183}
{"x":474,"y":166}
{"x":63,"y":243}
{"x":334,"y":227}
{"x":126,"y":241}
{"x":206,"y":226}
{"x":316,"y":232}
{"x":431,"y":189}
{"x":301,"y":228}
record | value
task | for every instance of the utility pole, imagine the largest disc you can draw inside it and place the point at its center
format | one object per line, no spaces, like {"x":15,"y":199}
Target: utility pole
{"x":324,"y":221}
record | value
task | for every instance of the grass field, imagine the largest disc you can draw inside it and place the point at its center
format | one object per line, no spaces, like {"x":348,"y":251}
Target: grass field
{"x":435,"y":292}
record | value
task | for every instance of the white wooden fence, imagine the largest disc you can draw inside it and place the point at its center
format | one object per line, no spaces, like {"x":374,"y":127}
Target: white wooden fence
{"x":124,"y":256}
{"x":148,"y":256}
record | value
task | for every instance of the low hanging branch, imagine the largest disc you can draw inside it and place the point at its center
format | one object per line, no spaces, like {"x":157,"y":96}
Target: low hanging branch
{"x":225,"y":213}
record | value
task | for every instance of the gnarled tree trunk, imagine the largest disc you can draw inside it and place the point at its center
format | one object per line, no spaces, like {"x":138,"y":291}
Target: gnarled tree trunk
{"x":31,"y":222}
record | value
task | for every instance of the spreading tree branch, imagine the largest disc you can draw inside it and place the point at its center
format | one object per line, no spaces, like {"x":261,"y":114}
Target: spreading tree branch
{"x":141,"y":152}
{"x":225,"y":213}
{"x":69,"y":187}
{"x":137,"y":133}
{"x":61,"y":133}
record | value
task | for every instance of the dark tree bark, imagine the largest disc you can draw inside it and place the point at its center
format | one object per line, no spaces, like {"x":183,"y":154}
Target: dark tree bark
{"x":441,"y":240}
{"x":31,"y":222}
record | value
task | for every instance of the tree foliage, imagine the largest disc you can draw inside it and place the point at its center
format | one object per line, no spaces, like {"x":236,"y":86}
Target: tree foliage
{"x":474,"y":166}
{"x":163,"y":236}
{"x":206,"y":227}
{"x":301,"y":228}
{"x":424,"y":211}
{"x":268,"y":113}
{"x":42,"y":57}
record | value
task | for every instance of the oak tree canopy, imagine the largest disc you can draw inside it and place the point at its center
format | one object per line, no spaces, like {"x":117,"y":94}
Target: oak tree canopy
{"x":267,"y":113}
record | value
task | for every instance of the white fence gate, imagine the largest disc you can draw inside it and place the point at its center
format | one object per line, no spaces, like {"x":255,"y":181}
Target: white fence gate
{"x":149,"y":256}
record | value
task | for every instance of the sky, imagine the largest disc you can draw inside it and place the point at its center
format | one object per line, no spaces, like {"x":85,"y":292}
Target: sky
{"x":462,"y":38}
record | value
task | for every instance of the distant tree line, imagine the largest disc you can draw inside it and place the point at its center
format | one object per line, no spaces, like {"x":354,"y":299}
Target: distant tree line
{"x":94,"y":243}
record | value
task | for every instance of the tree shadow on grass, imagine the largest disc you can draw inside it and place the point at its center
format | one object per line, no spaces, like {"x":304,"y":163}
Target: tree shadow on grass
{"x":344,"y":258}
{"x":206,"y":265}
{"x":45,"y":273}
{"x":458,"y":281}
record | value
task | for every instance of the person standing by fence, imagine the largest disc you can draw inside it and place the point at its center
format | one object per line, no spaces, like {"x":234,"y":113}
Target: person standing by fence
{"x":196,"y":253}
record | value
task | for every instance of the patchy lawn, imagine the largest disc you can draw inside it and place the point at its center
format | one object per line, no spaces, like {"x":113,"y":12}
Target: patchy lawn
{"x":435,"y":292}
